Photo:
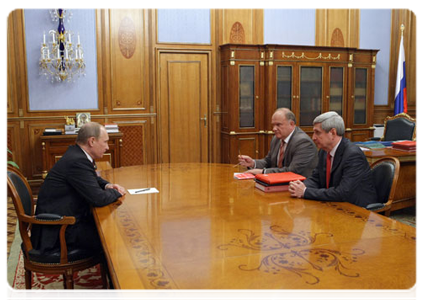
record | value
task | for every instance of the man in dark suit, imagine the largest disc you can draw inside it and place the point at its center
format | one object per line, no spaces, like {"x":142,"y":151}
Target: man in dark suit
{"x":71,"y":188}
{"x":291,"y":149}
{"x":343,"y":173}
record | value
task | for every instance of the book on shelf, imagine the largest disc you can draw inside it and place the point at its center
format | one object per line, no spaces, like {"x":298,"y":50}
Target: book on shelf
{"x":112,"y":130}
{"x":272,"y":188}
{"x":111,"y":127}
{"x":370,"y":145}
{"x":52,"y":131}
{"x":242,"y":176}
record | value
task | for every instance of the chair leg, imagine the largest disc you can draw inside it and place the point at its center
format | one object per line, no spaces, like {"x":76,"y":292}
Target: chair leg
{"x":103,"y":269}
{"x":68,"y":279}
{"x":28,"y":279}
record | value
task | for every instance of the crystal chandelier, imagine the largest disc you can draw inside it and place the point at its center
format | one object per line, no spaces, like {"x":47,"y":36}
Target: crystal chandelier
{"x":60,"y":60}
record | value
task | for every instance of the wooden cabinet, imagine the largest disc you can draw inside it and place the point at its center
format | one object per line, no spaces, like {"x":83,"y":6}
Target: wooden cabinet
{"x":258,"y":79}
{"x":54,"y":146}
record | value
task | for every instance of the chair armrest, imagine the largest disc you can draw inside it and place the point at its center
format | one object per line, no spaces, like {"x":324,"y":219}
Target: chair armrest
{"x":53,"y":219}
{"x":49,"y":219}
{"x":375,"y":206}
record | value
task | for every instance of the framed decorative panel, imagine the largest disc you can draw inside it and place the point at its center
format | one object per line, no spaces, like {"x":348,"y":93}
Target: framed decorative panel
{"x":185,"y":26}
{"x":241,"y":26}
{"x":129,"y":72}
{"x":45,"y":95}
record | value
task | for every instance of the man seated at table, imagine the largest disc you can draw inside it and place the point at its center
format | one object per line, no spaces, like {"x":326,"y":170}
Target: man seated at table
{"x":343,"y":173}
{"x":71,"y":188}
{"x":291,"y":149}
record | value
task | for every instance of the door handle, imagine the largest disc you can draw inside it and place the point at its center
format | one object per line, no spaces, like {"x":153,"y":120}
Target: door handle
{"x":205,"y":120}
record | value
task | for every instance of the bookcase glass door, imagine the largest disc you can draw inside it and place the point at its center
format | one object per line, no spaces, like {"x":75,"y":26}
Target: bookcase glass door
{"x":246,"y":96}
{"x":284,"y":86}
{"x":360,"y":96}
{"x":336,"y":91}
{"x":310,"y":94}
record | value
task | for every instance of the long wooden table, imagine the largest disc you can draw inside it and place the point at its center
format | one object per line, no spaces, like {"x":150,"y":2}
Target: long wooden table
{"x":405,"y":193}
{"x":207,"y":230}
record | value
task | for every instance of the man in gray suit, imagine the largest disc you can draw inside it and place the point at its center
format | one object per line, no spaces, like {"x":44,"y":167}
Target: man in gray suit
{"x":291,"y":149}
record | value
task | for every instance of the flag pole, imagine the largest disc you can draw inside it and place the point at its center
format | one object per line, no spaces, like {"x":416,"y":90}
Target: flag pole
{"x":400,"y":104}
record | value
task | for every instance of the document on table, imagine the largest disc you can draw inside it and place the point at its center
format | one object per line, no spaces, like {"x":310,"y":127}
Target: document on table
{"x":143,"y":191}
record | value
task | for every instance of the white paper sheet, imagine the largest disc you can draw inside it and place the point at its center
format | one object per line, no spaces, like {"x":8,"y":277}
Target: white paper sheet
{"x":141,"y":191}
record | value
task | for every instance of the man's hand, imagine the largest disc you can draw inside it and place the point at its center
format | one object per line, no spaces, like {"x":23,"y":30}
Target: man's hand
{"x":245,"y":160}
{"x":297,"y":188}
{"x":117,"y":187}
{"x":254,"y":171}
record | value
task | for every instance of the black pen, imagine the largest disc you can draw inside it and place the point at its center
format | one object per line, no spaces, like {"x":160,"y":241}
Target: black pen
{"x":143,"y":190}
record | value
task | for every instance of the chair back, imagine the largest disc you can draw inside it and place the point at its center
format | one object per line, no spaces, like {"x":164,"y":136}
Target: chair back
{"x":399,"y":127}
{"x":385,"y":174}
{"x":23,"y":202}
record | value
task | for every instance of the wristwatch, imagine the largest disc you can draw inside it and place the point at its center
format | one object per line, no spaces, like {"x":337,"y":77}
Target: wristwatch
{"x":264,"y":171}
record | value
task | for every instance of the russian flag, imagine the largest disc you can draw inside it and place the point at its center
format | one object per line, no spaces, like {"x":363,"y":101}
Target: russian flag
{"x":401,"y":87}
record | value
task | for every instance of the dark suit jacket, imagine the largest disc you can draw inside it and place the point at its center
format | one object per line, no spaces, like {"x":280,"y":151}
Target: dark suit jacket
{"x":70,"y":189}
{"x":300,"y":155}
{"x":350,"y":179}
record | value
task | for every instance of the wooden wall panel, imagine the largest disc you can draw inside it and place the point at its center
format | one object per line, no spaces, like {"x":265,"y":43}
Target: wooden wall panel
{"x":241,"y":26}
{"x":11,"y":88}
{"x":34,"y":130}
{"x":13,"y":142}
{"x":337,"y":27}
{"x":129,"y":78}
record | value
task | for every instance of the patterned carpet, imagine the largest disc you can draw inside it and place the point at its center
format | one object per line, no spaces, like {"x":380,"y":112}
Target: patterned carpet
{"x":11,"y":224}
{"x":406,"y":215}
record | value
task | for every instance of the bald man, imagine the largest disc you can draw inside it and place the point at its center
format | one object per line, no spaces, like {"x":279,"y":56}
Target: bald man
{"x":291,"y":149}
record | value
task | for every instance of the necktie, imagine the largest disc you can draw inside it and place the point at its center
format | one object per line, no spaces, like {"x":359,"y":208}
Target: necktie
{"x":328,"y":167}
{"x":94,"y":165}
{"x":281,"y":152}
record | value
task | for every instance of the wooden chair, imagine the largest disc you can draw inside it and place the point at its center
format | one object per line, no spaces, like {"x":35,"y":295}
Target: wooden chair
{"x":399,"y":127}
{"x":385,"y":172}
{"x":63,"y":262}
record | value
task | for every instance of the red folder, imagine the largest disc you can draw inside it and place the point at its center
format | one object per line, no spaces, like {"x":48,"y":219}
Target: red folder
{"x":278,"y":178}
{"x":404,"y":145}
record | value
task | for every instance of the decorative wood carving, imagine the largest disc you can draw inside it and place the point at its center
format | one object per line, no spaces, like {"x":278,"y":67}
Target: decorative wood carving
{"x":127,"y":37}
{"x":337,"y":39}
{"x":237,"y":33}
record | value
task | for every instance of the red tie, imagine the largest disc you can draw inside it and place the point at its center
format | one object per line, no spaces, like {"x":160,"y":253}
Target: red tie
{"x":281,"y":152}
{"x":328,"y":167}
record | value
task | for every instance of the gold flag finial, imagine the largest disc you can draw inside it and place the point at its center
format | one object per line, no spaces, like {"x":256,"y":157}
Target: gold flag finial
{"x":402,"y":29}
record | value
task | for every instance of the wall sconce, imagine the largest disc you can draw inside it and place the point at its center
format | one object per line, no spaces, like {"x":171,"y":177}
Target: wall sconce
{"x":60,"y":60}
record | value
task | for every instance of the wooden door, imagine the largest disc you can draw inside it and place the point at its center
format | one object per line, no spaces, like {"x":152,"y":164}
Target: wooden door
{"x":183,"y":107}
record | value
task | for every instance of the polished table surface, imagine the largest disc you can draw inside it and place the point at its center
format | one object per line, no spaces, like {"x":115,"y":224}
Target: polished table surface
{"x":207,"y":230}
